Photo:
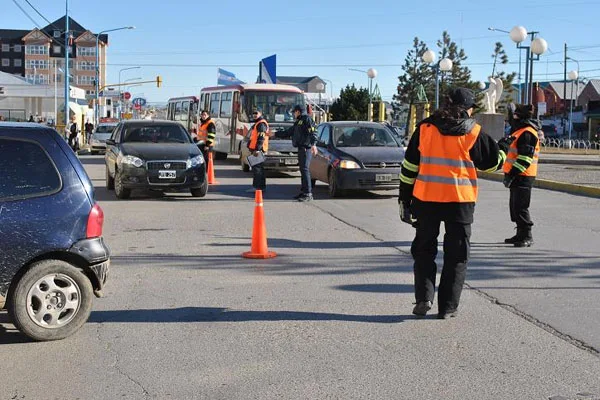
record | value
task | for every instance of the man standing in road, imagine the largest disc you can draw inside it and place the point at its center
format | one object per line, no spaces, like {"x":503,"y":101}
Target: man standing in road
{"x":207,"y":132}
{"x":438,"y":183}
{"x":259,"y":142}
{"x":73,"y":131}
{"x":304,"y":137}
{"x":520,"y":169}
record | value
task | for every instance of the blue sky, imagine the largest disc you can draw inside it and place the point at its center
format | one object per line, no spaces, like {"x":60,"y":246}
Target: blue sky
{"x":310,"y":37}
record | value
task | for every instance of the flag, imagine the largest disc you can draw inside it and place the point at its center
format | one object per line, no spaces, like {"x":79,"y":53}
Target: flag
{"x":268,"y":70}
{"x":227,"y":78}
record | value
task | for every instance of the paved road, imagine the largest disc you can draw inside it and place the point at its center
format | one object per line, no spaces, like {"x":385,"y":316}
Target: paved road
{"x":186,"y":317}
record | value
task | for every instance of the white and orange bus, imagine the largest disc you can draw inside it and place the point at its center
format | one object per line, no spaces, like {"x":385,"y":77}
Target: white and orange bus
{"x":185,"y":111}
{"x":230,"y":107}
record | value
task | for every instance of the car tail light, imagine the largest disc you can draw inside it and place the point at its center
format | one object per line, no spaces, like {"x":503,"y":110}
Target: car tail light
{"x":95,"y":222}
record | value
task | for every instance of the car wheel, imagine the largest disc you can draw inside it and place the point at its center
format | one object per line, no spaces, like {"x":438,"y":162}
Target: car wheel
{"x":51,"y":301}
{"x":92,"y":152}
{"x":245,"y":167}
{"x":334,"y":190}
{"x":202,"y":190}
{"x":110,"y":181}
{"x":220,"y":156}
{"x":120,"y":191}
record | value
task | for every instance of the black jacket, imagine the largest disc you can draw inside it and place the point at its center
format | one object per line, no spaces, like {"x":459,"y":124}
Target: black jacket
{"x":485,"y":154}
{"x":303,"y":132}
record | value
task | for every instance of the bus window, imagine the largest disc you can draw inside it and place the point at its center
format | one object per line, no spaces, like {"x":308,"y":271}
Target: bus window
{"x":276,"y":106}
{"x":226,"y":104}
{"x":177,"y":111}
{"x":185,"y":109}
{"x":194,"y":112}
{"x":170,"y":111}
{"x":215,"y":103}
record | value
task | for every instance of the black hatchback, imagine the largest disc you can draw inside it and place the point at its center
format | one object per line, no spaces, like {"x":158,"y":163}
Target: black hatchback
{"x":356,"y":155}
{"x":52,"y":255}
{"x":155,"y":155}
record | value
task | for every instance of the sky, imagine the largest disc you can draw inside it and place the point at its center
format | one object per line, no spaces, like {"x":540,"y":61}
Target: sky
{"x":186,"y":41}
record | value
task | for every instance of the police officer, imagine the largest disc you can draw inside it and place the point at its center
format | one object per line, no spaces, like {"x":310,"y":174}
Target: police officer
{"x":207,"y":132}
{"x":259,"y":142}
{"x":304,"y":137}
{"x":520,"y":169}
{"x":438,"y":183}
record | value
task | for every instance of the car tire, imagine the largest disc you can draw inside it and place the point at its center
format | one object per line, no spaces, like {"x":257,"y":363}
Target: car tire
{"x":110,"y":181}
{"x":334,"y":190}
{"x":121,"y":192}
{"x":245,"y":167}
{"x":202,"y":190}
{"x":94,"y":152}
{"x":60,"y":281}
{"x":220,"y":156}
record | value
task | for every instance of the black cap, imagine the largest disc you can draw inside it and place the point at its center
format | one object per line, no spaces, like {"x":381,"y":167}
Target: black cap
{"x":462,"y":97}
{"x":298,"y":107}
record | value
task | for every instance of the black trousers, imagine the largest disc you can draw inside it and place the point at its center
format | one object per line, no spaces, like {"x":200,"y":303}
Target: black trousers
{"x":304,"y":157}
{"x":456,"y":254}
{"x":520,"y":199}
{"x":259,"y":182}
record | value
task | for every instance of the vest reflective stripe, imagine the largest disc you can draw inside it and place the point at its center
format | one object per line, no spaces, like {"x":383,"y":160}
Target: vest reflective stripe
{"x":446,"y":172}
{"x":203,"y":130}
{"x":254,"y":136}
{"x":513,"y":154}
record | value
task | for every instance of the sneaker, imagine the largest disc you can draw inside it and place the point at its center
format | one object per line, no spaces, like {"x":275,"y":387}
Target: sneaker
{"x":421,"y":308}
{"x":305,"y":197}
{"x":447,"y":314}
{"x":296,"y":197}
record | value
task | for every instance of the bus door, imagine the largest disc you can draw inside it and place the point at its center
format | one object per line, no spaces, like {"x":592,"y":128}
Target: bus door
{"x":235,"y":110}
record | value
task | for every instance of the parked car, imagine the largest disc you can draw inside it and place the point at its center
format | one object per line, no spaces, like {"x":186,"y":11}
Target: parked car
{"x":155,"y":155}
{"x":53,"y":259}
{"x":356,"y":155}
{"x":98,"y":139}
{"x":282,"y":156}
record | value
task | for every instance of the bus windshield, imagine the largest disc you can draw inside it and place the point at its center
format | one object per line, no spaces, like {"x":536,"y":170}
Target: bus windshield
{"x":276,"y":106}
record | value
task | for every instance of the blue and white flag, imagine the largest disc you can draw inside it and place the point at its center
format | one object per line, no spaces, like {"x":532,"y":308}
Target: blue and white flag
{"x":227,"y":78}
{"x":267,"y":72}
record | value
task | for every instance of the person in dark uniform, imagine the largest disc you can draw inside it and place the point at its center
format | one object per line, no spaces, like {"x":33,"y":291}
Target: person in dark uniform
{"x":259,"y":142}
{"x":520,"y":169}
{"x":304,"y":137}
{"x":438,"y":183}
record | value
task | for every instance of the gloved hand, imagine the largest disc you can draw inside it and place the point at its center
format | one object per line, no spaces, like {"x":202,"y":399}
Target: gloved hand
{"x":505,"y":143}
{"x":508,"y":180}
{"x":405,"y":214}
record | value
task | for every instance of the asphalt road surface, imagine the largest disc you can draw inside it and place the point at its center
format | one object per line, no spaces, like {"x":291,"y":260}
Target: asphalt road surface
{"x":185,"y":317}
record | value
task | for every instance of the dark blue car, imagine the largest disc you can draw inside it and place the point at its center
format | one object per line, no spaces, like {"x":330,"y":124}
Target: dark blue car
{"x":53,"y":259}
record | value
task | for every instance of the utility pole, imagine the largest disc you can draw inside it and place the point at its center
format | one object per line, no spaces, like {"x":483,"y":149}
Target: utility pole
{"x":67,"y":48}
{"x":564,"y":119}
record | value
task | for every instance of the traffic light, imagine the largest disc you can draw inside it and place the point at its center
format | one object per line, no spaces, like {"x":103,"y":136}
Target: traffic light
{"x":158,"y":81}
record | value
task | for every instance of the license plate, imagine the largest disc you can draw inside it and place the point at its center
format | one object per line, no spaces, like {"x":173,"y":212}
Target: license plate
{"x":383,"y":178}
{"x":162,"y":174}
{"x":290,"y":162}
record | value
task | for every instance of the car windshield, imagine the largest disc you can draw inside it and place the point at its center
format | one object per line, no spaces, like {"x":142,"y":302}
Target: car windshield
{"x":105,"y":128}
{"x":276,"y":106}
{"x":362,"y":136}
{"x":102,"y":135}
{"x":156,"y":133}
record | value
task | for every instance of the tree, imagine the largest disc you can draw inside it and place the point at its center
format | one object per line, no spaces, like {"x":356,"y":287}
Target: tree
{"x":352,"y":104}
{"x":459,"y":76}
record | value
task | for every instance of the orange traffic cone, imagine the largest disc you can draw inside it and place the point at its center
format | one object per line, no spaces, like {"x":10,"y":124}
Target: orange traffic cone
{"x":210,"y":170}
{"x":259,"y":232}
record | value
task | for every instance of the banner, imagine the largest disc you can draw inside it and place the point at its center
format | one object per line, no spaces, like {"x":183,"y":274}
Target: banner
{"x":227,"y":78}
{"x":267,"y":72}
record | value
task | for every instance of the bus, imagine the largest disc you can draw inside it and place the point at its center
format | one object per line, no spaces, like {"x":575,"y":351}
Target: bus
{"x":230,"y":107}
{"x":185,"y":111}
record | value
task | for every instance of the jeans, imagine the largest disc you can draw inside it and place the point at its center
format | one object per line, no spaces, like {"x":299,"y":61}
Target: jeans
{"x":456,"y":254}
{"x":259,"y":182}
{"x":304,"y":157}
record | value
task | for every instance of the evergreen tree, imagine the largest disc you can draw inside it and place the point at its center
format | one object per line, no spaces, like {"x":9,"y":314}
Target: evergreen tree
{"x":501,"y":57}
{"x":352,"y":104}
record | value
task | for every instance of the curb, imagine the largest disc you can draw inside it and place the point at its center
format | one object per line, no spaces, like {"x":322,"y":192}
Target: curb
{"x":587,"y":191}
{"x":568,"y":161}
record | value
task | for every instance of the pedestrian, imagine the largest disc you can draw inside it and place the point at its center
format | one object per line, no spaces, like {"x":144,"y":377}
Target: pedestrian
{"x":259,"y":143}
{"x":31,"y":118}
{"x":438,"y":183}
{"x":304,"y":137}
{"x":520,"y":169}
{"x":207,"y":132}
{"x":89,"y":129}
{"x":73,"y":131}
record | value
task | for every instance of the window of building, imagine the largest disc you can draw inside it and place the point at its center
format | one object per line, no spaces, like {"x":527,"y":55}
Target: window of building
{"x":86,"y":66}
{"x":85,"y":80}
{"x":56,"y":49}
{"x":17,"y":62}
{"x":26,"y":171}
{"x":56,"y":33}
{"x":5,"y":47}
{"x":58,"y":78}
{"x":37,"y":64}
{"x":226,"y":104}
{"x":86,"y":51}
{"x":17,"y":48}
{"x":39,"y":79}
{"x":6,"y":62}
{"x":215,"y":103}
{"x":36,"y":49}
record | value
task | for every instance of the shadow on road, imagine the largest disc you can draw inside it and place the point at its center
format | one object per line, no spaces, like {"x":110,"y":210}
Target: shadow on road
{"x":376,"y":288}
{"x":209,"y":314}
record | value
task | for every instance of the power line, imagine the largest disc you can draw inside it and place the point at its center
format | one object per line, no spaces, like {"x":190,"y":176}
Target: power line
{"x":38,"y":13}
{"x":25,"y":12}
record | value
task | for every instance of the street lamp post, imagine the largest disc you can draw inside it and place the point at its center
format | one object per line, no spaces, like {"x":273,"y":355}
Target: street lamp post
{"x":96,"y":105}
{"x":371,"y":74}
{"x":573,"y":75}
{"x":445,"y":64}
{"x":120,"y":91}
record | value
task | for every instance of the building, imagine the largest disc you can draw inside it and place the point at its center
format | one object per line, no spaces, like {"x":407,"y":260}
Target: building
{"x":38,"y":55}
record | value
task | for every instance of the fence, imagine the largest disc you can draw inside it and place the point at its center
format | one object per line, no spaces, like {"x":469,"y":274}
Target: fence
{"x":570,"y":144}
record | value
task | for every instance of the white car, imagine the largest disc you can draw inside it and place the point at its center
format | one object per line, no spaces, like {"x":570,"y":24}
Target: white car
{"x":98,"y":140}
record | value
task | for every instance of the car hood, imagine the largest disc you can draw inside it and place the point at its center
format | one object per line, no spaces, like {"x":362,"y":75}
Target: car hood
{"x":368,"y":155}
{"x":160,"y":151}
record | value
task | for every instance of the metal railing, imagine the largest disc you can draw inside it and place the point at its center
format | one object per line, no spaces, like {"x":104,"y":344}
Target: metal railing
{"x":581,"y":144}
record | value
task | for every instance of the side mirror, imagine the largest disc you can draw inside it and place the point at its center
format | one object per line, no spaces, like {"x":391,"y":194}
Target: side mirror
{"x":110,"y":142}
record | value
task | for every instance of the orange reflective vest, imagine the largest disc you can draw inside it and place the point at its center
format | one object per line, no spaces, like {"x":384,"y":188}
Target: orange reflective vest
{"x":254,"y":136}
{"x":203,"y":130}
{"x":513,"y":154}
{"x":446,"y":172}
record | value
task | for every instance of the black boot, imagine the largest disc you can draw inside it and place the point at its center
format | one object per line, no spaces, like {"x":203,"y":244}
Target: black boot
{"x":525,"y":238}
{"x":512,"y":240}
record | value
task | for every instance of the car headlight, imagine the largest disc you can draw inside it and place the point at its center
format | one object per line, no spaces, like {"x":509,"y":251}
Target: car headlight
{"x":130,"y":160}
{"x":348,"y":164}
{"x":195,"y":161}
